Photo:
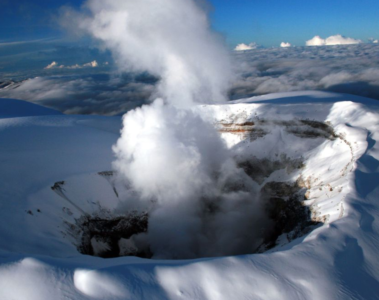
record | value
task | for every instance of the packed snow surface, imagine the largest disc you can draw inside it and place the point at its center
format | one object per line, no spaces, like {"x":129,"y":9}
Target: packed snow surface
{"x":337,"y":260}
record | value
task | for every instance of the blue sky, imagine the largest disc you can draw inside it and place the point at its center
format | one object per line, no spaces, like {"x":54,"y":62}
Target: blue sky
{"x":267,"y":22}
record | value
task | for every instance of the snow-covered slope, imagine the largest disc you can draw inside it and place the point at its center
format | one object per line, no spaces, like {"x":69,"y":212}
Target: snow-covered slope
{"x":340,"y":165}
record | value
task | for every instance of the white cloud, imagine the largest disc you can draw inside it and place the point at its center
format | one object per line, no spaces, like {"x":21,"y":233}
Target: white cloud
{"x":285,"y":45}
{"x":373,"y":41}
{"x":341,"y":40}
{"x":74,"y":67}
{"x":332,"y":40}
{"x":316,"y":41}
{"x":243,"y":47}
{"x":92,"y":64}
{"x":52,"y":65}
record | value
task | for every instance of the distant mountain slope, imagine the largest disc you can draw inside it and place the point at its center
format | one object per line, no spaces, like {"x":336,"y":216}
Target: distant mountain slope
{"x":18,"y":108}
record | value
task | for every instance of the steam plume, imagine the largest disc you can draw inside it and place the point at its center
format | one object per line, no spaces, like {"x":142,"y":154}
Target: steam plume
{"x":171,"y":160}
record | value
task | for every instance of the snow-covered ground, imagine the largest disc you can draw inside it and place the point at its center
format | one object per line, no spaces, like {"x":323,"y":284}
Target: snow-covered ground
{"x":337,"y":260}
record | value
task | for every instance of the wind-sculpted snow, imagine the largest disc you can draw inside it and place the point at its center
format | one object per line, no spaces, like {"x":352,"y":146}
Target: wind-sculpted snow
{"x":337,"y":260}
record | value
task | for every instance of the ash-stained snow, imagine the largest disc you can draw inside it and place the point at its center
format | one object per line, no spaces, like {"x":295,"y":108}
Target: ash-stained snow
{"x":339,"y":171}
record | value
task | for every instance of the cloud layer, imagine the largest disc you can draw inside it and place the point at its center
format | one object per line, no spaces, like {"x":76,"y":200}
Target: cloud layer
{"x":352,"y":69}
{"x":85,"y":94}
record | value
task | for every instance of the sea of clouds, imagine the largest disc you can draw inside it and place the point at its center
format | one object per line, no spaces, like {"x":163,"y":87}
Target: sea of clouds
{"x":101,"y":94}
{"x":352,"y":69}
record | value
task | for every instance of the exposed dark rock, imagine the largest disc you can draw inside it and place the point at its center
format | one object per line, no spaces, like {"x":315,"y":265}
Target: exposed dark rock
{"x":109,"y":231}
{"x":248,"y":130}
{"x":284,"y":207}
{"x":253,"y":130}
{"x":310,"y":129}
{"x":260,"y":169}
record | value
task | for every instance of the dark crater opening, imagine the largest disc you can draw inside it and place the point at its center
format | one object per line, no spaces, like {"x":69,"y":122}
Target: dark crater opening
{"x":284,"y":207}
{"x":102,"y":236}
{"x":107,"y":235}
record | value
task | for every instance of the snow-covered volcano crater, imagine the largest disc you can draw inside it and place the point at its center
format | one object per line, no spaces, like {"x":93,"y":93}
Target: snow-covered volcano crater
{"x":312,"y":156}
{"x":287,"y":161}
